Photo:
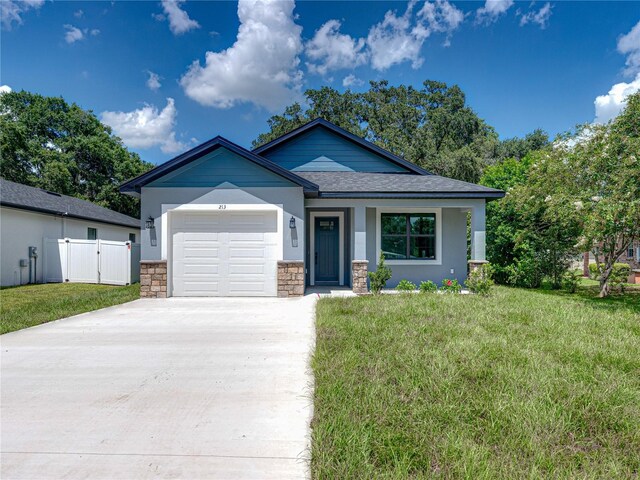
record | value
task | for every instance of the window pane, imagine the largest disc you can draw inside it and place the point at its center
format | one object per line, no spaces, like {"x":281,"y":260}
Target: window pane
{"x":92,"y":233}
{"x":132,"y":237}
{"x":423,"y":223}
{"x":394,"y":224}
{"x":423,"y":247}
{"x":394,"y":248}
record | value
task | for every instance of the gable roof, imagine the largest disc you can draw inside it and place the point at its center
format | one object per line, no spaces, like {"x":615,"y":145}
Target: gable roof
{"x":395,"y":185}
{"x":24,"y":197}
{"x":133,"y":186}
{"x":320,"y":122}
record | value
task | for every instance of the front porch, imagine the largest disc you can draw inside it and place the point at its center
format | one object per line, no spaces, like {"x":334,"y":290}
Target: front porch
{"x":421,"y":239}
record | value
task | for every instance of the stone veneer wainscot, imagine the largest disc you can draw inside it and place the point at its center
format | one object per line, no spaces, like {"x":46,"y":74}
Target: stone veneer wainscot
{"x":290,"y":278}
{"x":153,"y":279}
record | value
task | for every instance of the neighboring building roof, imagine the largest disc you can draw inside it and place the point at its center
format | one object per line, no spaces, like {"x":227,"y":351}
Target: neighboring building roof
{"x":24,"y":197}
{"x":395,"y":185}
{"x":319,"y":122}
{"x":132,"y":187}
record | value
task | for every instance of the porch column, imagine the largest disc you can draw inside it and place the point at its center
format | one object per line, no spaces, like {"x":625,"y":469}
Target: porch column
{"x":478,"y":237}
{"x":359,"y":263}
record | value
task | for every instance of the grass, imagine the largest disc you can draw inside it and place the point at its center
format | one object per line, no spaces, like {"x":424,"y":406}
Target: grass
{"x":29,"y":305}
{"x":522,"y":384}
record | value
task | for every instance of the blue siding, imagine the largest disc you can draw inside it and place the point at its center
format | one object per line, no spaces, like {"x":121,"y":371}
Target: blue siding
{"x":320,"y":150}
{"x":218,"y":167}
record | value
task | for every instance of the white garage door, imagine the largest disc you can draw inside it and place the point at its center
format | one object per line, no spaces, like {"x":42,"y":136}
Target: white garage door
{"x":224,"y":253}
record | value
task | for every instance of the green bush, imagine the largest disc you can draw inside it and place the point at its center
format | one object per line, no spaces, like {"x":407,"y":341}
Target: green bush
{"x":619,"y":275}
{"x":525,"y":272}
{"x":480,"y":279}
{"x":405,"y":286}
{"x":570,"y":281}
{"x":593,"y":272}
{"x":450,"y":286}
{"x":428,"y":287}
{"x":380,"y":277}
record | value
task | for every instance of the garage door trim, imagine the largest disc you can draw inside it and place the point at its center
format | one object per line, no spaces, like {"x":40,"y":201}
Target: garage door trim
{"x":166,"y":228}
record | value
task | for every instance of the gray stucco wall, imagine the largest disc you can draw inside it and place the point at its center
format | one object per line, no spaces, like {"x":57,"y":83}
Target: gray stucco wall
{"x":454,"y":251}
{"x":291,"y":199}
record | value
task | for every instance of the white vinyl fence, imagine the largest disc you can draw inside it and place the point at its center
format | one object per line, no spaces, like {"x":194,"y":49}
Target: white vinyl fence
{"x":91,"y":261}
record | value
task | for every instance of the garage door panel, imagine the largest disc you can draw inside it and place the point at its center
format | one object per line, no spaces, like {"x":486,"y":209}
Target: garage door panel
{"x":224,"y":253}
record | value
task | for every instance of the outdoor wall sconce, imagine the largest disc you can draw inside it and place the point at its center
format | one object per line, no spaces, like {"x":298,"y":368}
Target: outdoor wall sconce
{"x":294,"y":232}
{"x":149,"y":223}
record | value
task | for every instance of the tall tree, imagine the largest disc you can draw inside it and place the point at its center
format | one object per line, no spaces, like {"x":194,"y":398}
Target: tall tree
{"x":46,"y":142}
{"x":432,"y":126}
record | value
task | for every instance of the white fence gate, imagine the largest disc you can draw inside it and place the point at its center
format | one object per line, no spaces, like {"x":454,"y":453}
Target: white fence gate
{"x":91,"y":261}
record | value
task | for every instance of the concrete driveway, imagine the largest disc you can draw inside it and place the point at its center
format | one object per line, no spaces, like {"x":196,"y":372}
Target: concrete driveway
{"x":175,"y":388}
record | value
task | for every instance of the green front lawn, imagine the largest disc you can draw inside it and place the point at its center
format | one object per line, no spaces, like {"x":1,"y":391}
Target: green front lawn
{"x":522,"y":384}
{"x":29,"y":305}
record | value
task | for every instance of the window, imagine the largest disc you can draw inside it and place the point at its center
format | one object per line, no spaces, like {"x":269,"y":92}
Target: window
{"x":408,"y":236}
{"x":630,"y":251}
{"x":132,"y":237}
{"x":92,"y":233}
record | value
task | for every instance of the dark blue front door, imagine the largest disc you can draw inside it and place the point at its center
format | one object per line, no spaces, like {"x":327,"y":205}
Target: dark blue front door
{"x":327,"y":248}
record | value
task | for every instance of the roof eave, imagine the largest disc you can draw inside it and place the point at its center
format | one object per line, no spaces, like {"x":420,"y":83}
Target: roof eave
{"x":411,"y":195}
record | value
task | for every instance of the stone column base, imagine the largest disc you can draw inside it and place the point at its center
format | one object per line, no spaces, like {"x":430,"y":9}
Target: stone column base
{"x":474,"y":264}
{"x":290,"y":278}
{"x":153,"y":279}
{"x":359,"y":269}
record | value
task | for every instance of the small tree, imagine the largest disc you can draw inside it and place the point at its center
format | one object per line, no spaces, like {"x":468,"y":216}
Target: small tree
{"x":605,"y":164}
{"x":380,"y":277}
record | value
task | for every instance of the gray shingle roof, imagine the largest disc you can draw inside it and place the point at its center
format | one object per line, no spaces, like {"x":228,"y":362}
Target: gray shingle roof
{"x":372,"y":185}
{"x":30,"y":198}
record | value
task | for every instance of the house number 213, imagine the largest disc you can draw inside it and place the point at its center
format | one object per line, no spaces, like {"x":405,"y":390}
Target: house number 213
{"x":222,"y":207}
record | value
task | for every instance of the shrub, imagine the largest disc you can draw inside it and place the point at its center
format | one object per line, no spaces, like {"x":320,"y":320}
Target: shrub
{"x":405,"y":286}
{"x":380,"y":277}
{"x":451,"y":286}
{"x":570,"y":281}
{"x":620,"y":275}
{"x":428,"y":287}
{"x":480,"y":280}
{"x":525,"y":272}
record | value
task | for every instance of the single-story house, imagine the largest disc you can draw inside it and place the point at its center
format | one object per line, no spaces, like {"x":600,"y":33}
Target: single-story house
{"x":313,"y":207}
{"x":28,"y":215}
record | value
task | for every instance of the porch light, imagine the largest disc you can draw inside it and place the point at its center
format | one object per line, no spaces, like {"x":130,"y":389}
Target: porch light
{"x":292,"y":223}
{"x":149,"y":223}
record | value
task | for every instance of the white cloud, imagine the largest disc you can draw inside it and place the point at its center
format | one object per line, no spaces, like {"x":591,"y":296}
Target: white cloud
{"x":332,"y":50}
{"x":179,"y":21}
{"x":78,"y":13}
{"x":351,"y":81}
{"x":610,"y":105}
{"x":541,"y":17}
{"x":262,"y":65}
{"x":399,"y":38}
{"x":629,"y":45}
{"x":5,"y":89}
{"x":11,"y":11}
{"x":146,"y":127}
{"x":73,"y":34}
{"x":153,"y":82}
{"x":492,"y":10}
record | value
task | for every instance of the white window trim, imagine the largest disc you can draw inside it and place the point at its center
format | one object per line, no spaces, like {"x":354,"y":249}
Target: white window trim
{"x":165,"y":225}
{"x":436,"y":211}
{"x":312,"y":244}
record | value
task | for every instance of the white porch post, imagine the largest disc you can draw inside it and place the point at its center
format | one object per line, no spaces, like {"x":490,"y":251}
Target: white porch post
{"x":478,"y":236}
{"x":359,"y":263}
{"x":359,"y":223}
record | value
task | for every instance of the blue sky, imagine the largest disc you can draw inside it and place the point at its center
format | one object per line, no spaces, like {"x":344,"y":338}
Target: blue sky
{"x":523,"y":65}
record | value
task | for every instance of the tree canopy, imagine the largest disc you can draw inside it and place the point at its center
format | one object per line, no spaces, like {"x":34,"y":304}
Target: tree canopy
{"x":432,"y":127}
{"x":47,"y":143}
